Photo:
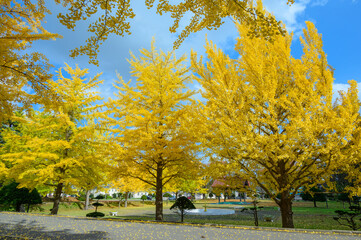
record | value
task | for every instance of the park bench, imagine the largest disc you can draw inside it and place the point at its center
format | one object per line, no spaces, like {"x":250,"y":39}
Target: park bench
{"x":113,"y":213}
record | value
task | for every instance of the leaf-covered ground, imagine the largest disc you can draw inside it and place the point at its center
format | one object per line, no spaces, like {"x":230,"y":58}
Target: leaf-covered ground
{"x":32,"y":226}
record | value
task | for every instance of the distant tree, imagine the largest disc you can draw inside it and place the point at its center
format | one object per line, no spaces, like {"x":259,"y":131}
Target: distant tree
{"x":314,"y":194}
{"x":100,"y":196}
{"x":168,"y":195}
{"x":11,"y":196}
{"x":143,"y":197}
{"x":181,"y":205}
{"x":125,"y":185}
{"x":344,"y":197}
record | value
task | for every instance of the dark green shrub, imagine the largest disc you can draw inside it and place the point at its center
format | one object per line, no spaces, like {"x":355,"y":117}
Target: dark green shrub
{"x":143,"y":197}
{"x":11,"y":196}
{"x":97,"y":204}
{"x":167,"y":195}
{"x":350,"y":218}
{"x":108,"y":197}
{"x":100,"y":196}
{"x":95,"y":214}
{"x":181,"y":205}
{"x":211,"y":195}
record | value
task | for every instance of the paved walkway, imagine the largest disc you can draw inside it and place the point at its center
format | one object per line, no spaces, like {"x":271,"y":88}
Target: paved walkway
{"x":24,"y":226}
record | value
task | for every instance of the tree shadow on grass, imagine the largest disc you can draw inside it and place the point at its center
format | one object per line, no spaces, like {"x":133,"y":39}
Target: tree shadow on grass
{"x":32,"y":230}
{"x":173,"y":217}
{"x":150,"y":217}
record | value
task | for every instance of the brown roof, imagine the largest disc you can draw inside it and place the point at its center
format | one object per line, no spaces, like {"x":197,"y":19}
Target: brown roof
{"x":218,"y":183}
{"x":222,"y":183}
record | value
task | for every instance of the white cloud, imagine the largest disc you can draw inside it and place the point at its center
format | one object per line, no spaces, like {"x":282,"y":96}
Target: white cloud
{"x":319,"y":2}
{"x":337,"y":87}
{"x":115,"y":51}
{"x":292,"y":15}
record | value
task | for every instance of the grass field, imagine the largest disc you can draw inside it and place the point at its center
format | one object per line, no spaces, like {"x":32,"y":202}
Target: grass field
{"x":305,"y":215}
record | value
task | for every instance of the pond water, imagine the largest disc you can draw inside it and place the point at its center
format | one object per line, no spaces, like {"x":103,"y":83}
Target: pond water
{"x":233,"y":203}
{"x":210,"y":211}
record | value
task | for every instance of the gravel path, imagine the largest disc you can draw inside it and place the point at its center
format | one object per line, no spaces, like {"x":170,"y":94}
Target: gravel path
{"x":29,"y":226}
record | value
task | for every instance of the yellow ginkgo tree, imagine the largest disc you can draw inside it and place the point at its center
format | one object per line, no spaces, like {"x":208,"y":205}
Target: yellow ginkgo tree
{"x":21,"y":71}
{"x":351,"y":167}
{"x":60,"y":146}
{"x":126,"y":186}
{"x":272,"y":116}
{"x":150,"y":140}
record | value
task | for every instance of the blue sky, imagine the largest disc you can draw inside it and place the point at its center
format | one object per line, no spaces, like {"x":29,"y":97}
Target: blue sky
{"x":339,"y":22}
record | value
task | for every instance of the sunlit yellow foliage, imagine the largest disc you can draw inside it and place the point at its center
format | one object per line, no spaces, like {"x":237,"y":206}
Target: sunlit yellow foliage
{"x":113,"y":18}
{"x":60,"y":146}
{"x":350,"y":104}
{"x":193,"y":180}
{"x":129,"y":184}
{"x":150,"y":141}
{"x":21,"y":72}
{"x":272,"y":115}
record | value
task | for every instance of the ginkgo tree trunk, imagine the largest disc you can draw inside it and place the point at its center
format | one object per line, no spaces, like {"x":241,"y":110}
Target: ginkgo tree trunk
{"x":60,"y":146}
{"x":150,"y":140}
{"x":271,"y":116}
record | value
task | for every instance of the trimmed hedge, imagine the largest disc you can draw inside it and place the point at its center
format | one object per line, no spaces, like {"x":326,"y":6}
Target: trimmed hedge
{"x":95,"y":214}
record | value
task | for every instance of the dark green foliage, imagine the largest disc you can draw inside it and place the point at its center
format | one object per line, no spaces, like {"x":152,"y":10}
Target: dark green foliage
{"x":95,"y":214}
{"x":317,"y":195}
{"x":82,"y":198}
{"x":344,"y":197}
{"x":314,"y":194}
{"x":100,"y":196}
{"x":181,"y":205}
{"x":211,"y":195}
{"x":97,"y":204}
{"x":143,"y":197}
{"x":116,"y":195}
{"x":108,"y":197}
{"x":167,"y":195}
{"x":11,"y":196}
{"x":350,"y":218}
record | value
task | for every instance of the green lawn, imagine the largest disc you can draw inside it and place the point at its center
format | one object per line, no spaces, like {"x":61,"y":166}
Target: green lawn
{"x":305,"y":215}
